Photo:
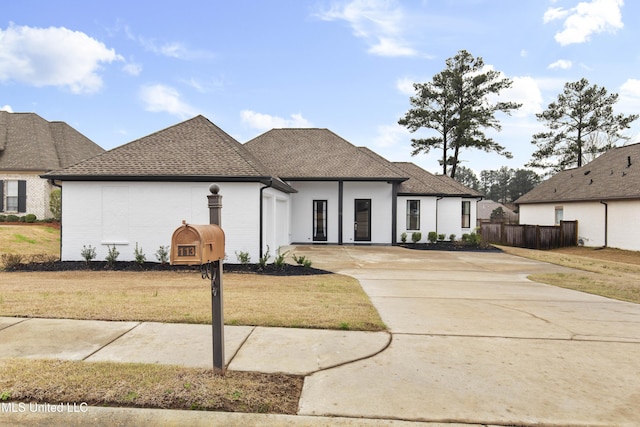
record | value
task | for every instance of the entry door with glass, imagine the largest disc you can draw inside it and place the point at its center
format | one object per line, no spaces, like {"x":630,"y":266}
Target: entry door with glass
{"x":319,"y":220}
{"x":362,"y":223}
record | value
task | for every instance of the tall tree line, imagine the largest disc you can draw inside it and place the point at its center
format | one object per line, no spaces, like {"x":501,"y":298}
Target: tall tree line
{"x":504,"y":185}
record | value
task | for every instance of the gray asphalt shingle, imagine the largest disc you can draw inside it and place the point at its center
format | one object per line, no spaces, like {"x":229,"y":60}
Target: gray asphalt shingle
{"x":613,"y":175}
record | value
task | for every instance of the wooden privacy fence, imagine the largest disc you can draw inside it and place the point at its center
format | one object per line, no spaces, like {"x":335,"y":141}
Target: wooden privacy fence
{"x":531,"y":236}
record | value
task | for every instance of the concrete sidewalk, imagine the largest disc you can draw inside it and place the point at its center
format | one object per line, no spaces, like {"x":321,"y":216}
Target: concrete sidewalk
{"x":472,"y":341}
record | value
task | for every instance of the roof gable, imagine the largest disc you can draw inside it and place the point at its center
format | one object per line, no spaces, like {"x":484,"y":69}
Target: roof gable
{"x":194,"y":149}
{"x":28,"y":142}
{"x":613,"y":175}
{"x":424,"y":183}
{"x":318,"y":154}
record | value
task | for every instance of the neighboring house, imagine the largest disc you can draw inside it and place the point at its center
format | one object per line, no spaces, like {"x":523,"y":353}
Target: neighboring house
{"x":29,"y":147}
{"x":603,"y":196}
{"x":486,"y":208}
{"x":285,"y":186}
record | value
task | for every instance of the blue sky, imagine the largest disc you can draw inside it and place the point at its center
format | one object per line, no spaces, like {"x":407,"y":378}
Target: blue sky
{"x":119,"y":70}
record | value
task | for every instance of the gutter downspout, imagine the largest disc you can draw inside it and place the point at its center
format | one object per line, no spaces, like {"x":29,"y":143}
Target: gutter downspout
{"x":394,"y":213}
{"x":261,"y":214}
{"x":606,"y":223}
{"x":437,"y":199}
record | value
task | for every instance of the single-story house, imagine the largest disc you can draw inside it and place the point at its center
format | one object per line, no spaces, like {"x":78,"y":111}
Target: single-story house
{"x":603,"y":196}
{"x":29,"y":147}
{"x":486,"y":208}
{"x":285,"y":186}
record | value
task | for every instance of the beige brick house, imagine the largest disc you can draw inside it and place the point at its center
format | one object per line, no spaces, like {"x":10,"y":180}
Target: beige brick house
{"x":29,"y":147}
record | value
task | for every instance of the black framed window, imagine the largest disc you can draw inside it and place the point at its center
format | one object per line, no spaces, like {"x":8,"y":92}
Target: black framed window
{"x":320,"y":220}
{"x":413,"y":214}
{"x":466,"y":214}
{"x":15,"y":196}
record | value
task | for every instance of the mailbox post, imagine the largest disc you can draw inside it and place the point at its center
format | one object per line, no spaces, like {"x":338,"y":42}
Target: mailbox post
{"x":203,"y":245}
{"x":217,"y":318}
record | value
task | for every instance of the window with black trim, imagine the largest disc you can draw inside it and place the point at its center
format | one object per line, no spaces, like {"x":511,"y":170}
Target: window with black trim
{"x":320,"y":220}
{"x":413,"y":214}
{"x":13,"y":196}
{"x":466,"y":214}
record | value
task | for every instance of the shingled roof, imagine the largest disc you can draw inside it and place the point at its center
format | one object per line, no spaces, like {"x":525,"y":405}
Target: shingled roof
{"x":615,"y":175}
{"x":194,"y":150}
{"x":421,"y":182}
{"x":30,"y":143}
{"x":319,"y":154}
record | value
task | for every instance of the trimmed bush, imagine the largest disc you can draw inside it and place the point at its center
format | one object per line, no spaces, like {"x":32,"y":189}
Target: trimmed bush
{"x":30,"y":218}
{"x":432,"y":237}
{"x":416,"y":236}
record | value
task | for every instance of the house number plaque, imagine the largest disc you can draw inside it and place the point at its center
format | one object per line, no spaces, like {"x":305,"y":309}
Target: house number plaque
{"x":187,"y":250}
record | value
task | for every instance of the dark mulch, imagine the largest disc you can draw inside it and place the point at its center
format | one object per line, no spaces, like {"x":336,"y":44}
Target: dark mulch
{"x":451,"y":246}
{"x":285,"y":270}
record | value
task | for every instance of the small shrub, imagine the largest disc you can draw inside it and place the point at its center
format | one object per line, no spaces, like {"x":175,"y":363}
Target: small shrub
{"x":465,"y":237}
{"x":13,"y":218}
{"x":22,"y":219}
{"x":3,"y":218}
{"x":264,"y":258}
{"x":88,"y":253}
{"x":112,"y":256}
{"x":243,"y":257}
{"x":452,"y":237}
{"x":302,"y":260}
{"x":432,"y":237}
{"x":416,"y":236}
{"x":10,"y":261}
{"x":279,"y":259}
{"x":162,"y":254}
{"x":440,"y":237}
{"x":43,"y":258}
{"x":403,"y":237}
{"x":139,"y":255}
{"x":475,"y":239}
{"x":30,"y":218}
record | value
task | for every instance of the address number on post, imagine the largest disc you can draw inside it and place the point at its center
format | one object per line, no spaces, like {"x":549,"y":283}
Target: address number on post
{"x":186,"y":250}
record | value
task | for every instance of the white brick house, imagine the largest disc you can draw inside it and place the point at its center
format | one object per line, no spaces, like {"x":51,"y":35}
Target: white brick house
{"x":285,"y":186}
{"x":603,"y":196}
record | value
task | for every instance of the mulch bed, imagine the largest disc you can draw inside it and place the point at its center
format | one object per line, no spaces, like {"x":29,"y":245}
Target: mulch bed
{"x":285,"y":270}
{"x":451,"y":246}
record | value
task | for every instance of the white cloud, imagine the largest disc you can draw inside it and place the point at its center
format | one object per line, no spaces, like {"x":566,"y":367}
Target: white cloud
{"x":379,"y":22}
{"x":391,"y":136}
{"x":7,"y":108}
{"x":525,"y":91}
{"x":266,"y":122}
{"x":554,"y":13}
{"x":161,"y":98}
{"x":405,"y":86}
{"x":53,"y":57}
{"x":562,"y":64}
{"x":586,"y":18}
{"x":629,"y":99}
{"x":173,"y":49}
{"x":132,"y":68}
{"x":524,"y":53}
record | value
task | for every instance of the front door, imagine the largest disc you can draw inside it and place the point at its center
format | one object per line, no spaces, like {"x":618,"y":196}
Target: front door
{"x":362,"y":223}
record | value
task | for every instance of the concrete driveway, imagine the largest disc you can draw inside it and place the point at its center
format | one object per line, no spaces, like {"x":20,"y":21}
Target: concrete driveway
{"x":474,"y":341}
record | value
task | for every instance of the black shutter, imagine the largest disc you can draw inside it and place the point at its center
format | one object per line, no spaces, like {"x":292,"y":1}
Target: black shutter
{"x":1,"y":196}
{"x":22,"y":196}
